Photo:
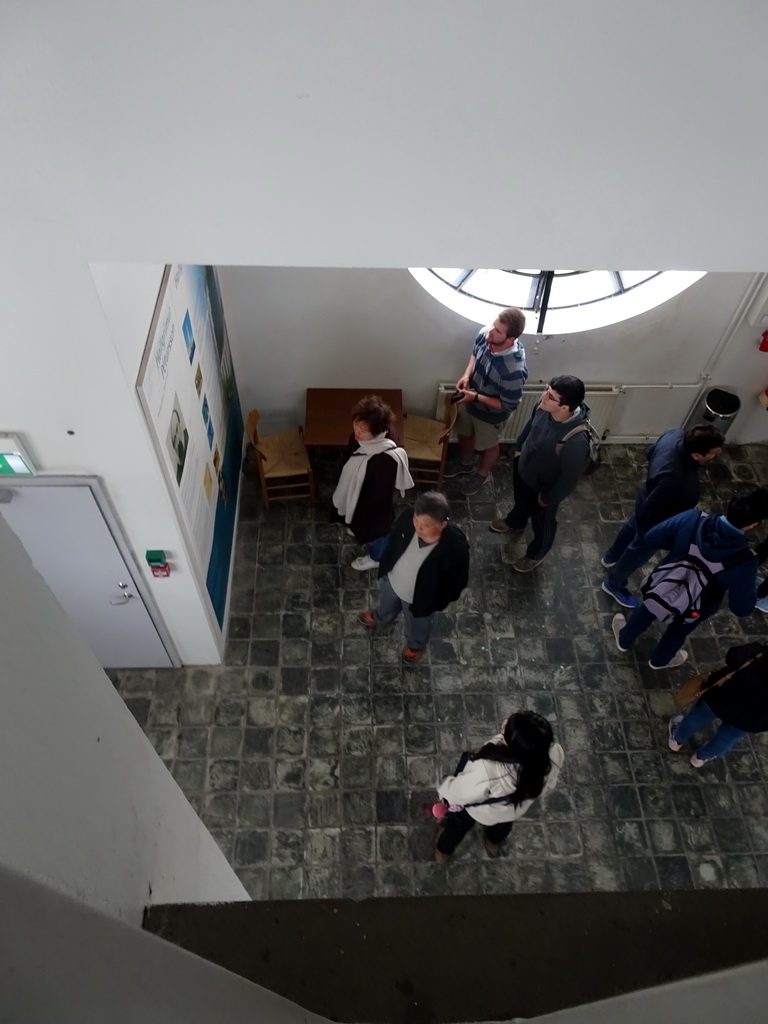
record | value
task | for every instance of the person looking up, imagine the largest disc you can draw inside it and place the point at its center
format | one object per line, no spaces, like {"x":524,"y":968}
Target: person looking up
{"x":491,"y":388}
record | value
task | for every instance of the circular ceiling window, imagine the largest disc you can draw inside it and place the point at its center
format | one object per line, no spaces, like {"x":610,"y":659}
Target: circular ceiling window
{"x":554,"y":301}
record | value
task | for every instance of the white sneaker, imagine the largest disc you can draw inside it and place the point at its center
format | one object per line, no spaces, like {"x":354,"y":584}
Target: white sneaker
{"x":364,"y":562}
{"x":618,"y":622}
{"x":679,"y":659}
{"x":699,"y":762}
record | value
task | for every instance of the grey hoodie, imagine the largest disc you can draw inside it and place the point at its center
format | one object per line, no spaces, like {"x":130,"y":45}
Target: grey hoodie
{"x":551,"y":475}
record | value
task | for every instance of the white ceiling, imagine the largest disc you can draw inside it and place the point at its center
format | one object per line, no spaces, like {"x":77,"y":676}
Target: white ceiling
{"x":580,"y":135}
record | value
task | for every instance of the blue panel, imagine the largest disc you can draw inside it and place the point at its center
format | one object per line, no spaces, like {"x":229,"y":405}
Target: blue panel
{"x":224,"y":525}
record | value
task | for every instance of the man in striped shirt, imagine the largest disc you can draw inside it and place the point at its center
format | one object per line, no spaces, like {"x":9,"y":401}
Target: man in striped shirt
{"x":491,"y":388}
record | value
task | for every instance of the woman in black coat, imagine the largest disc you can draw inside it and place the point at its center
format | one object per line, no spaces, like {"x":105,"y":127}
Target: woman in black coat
{"x":375,"y":465}
{"x":741,"y":704}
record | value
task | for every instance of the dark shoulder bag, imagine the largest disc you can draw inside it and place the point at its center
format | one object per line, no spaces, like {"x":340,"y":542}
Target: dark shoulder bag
{"x":695,"y":687}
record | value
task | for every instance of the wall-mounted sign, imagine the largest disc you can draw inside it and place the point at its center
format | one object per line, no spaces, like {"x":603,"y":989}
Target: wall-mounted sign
{"x":14,"y":461}
{"x":187,"y":390}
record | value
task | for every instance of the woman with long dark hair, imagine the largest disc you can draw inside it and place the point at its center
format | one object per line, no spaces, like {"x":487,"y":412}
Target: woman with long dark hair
{"x":496,"y":786}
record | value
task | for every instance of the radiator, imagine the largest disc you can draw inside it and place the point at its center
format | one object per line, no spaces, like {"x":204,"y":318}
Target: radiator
{"x":601,"y":399}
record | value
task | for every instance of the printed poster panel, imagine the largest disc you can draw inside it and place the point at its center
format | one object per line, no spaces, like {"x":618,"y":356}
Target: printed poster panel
{"x":187,"y":390}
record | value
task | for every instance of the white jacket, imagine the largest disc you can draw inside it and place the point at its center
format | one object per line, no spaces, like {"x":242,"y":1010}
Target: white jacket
{"x":483,"y":779}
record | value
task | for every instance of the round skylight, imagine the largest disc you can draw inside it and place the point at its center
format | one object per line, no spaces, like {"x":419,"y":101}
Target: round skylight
{"x":554,"y":301}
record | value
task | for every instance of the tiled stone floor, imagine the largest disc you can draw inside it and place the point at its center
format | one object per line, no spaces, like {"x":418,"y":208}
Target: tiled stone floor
{"x":310,"y":753}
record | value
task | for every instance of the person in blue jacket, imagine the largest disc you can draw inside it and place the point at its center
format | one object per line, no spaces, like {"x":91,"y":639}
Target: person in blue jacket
{"x":671,"y":486}
{"x":719,"y":537}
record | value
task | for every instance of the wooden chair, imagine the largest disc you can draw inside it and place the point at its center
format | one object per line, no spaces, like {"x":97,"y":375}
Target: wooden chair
{"x":426,"y":442}
{"x":284,"y":467}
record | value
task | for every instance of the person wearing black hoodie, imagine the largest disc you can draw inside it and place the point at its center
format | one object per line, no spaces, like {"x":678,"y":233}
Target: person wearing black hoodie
{"x":740,"y":702}
{"x":547,"y":468}
{"x":719,"y":539}
{"x":671,"y":486}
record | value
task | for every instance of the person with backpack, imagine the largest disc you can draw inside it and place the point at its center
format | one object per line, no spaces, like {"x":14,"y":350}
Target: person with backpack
{"x":496,"y":785}
{"x":709,"y":556}
{"x":552,"y":453}
{"x":671,"y":485}
{"x":736,"y":694}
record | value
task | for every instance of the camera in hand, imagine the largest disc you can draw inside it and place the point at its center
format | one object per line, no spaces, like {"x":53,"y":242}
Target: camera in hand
{"x":456,"y":397}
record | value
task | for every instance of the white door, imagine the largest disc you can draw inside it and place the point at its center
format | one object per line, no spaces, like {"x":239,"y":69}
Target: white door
{"x":72,"y":548}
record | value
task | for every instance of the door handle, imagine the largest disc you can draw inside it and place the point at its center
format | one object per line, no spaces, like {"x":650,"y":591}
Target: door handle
{"x":123,"y":598}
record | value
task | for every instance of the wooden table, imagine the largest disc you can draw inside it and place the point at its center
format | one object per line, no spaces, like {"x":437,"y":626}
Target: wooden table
{"x":327,"y":419}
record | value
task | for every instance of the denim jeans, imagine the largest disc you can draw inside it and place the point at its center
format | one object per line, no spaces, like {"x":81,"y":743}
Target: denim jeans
{"x":672,"y":640}
{"x":377,"y":547}
{"x":629,"y":550}
{"x":623,"y":539}
{"x":389,"y":606}
{"x":699,"y":716}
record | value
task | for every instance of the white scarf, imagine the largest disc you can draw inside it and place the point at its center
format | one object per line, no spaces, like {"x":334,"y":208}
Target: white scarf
{"x":347,"y":491}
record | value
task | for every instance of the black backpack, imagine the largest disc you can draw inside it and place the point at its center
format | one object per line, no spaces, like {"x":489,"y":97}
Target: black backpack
{"x":672,"y":591}
{"x":593,"y":448}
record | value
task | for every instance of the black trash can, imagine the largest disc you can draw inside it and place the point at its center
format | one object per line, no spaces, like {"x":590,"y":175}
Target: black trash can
{"x":718,"y":407}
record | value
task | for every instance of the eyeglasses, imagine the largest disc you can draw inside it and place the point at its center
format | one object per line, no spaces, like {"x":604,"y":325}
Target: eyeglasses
{"x":550,"y":394}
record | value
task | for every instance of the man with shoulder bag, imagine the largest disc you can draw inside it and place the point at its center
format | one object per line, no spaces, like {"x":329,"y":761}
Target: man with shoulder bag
{"x":736,"y":694}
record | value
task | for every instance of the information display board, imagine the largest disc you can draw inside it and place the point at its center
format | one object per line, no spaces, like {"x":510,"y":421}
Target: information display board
{"x":187,"y":389}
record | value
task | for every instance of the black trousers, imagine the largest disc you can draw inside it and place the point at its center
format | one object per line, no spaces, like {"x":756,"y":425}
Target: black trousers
{"x":543,"y":519}
{"x":458,"y":823}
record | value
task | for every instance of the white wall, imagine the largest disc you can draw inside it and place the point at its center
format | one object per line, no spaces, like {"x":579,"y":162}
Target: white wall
{"x":738,"y":994}
{"x":69,"y":363}
{"x":86,"y":804}
{"x":127,"y":294}
{"x":295,"y":328}
{"x":439,"y":133}
{"x":63,"y":962}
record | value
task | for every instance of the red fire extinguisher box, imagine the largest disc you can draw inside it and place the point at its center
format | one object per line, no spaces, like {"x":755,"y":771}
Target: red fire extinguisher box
{"x":158,"y":563}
